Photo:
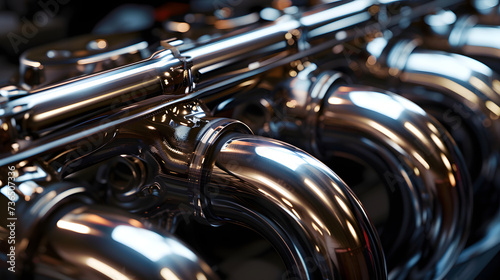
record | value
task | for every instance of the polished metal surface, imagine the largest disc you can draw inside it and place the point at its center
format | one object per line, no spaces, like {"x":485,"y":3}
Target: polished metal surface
{"x":166,"y":72}
{"x":472,"y":35}
{"x":471,"y":38}
{"x":165,"y":178}
{"x":477,"y":94}
{"x":290,"y":198}
{"x":64,"y":235}
{"x":87,"y":54}
{"x":428,"y":171}
{"x":132,"y":156}
{"x":418,"y":163}
{"x":113,"y":244}
{"x":314,"y":232}
{"x":466,"y":101}
{"x":62,"y":104}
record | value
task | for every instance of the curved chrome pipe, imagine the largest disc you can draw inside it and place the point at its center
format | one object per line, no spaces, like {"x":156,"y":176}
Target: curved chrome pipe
{"x":179,"y":160}
{"x":427,"y":187}
{"x":418,"y":162}
{"x":61,"y":234}
{"x":416,"y":158}
{"x":461,"y":93}
{"x":92,"y":242}
{"x":296,"y":202}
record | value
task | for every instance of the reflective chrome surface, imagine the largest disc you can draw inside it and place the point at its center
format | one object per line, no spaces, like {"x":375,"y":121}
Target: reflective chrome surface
{"x":150,"y":139}
{"x":460,"y":92}
{"x":178,"y":160}
{"x":62,"y":235}
{"x":420,"y":161}
{"x":83,"y":55}
{"x":269,"y":196}
{"x":417,"y":162}
{"x":474,"y":39}
{"x":93,"y":242}
{"x":476,"y":36}
{"x":306,"y":211}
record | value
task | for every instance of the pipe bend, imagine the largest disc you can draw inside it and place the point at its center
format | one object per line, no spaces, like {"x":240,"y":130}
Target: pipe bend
{"x":65,"y":235}
{"x":297,"y":203}
{"x":466,"y":100}
{"x":92,"y":242}
{"x":423,"y":184}
{"x":318,"y":226}
{"x":426,"y":181}
{"x":472,"y":84}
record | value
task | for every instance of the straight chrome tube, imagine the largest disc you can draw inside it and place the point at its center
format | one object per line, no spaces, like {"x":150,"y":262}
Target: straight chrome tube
{"x":178,"y":74}
{"x":184,"y":73}
{"x":52,"y":107}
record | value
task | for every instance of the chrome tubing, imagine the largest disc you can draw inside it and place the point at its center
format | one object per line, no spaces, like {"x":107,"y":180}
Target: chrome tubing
{"x":139,"y":137}
{"x":170,"y":72}
{"x":94,"y":243}
{"x":418,"y":163}
{"x":87,"y":54}
{"x":420,"y":160}
{"x":298,"y":204}
{"x":181,"y":73}
{"x":469,"y":34}
{"x":250,"y":184}
{"x":65,"y":235}
{"x":466,"y":102}
{"x":473,"y":39}
{"x":303,"y":209}
{"x":179,"y":159}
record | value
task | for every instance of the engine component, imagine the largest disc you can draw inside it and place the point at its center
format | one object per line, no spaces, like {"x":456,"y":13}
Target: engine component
{"x":116,"y":148}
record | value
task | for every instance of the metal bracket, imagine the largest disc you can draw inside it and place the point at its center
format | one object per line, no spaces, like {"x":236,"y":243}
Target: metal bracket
{"x":186,"y":60}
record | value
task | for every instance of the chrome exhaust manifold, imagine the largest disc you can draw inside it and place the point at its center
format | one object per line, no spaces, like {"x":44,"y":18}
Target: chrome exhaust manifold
{"x":115,"y":150}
